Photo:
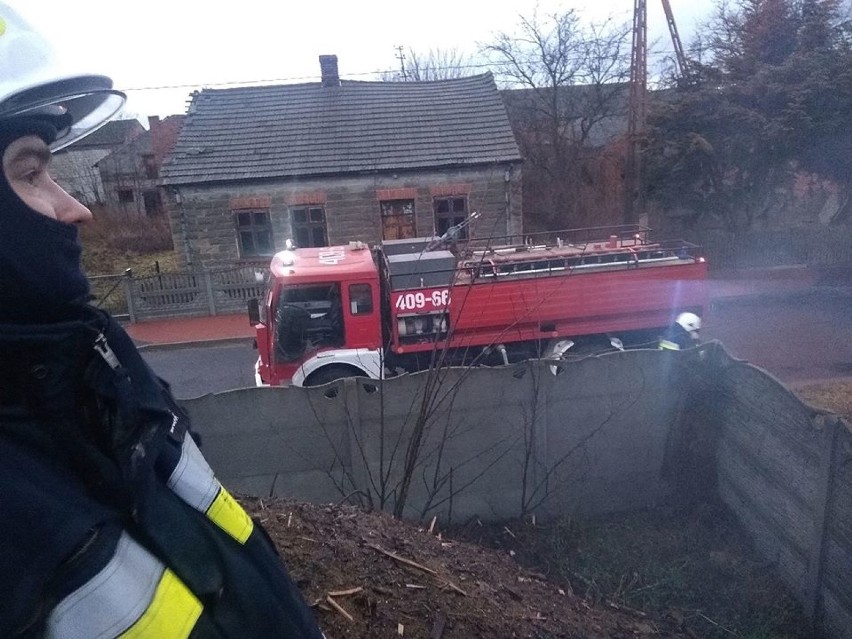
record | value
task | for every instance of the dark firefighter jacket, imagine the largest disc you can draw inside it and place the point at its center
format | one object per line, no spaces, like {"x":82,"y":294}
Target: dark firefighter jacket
{"x":111,"y":522}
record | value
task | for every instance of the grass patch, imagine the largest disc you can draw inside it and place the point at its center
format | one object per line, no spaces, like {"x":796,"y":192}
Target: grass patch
{"x":693,"y":564}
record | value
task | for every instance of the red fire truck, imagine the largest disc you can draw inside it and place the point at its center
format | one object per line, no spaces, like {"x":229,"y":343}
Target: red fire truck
{"x":406,"y":305}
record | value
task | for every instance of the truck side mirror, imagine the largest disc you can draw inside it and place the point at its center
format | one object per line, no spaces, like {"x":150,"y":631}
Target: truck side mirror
{"x":253,"y":311}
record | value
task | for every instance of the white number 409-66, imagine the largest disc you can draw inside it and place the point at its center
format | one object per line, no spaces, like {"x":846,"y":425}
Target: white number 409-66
{"x":420,"y":300}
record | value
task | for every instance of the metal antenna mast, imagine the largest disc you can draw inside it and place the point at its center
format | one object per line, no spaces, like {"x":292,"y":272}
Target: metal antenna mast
{"x":637,"y":115}
{"x":401,"y":57}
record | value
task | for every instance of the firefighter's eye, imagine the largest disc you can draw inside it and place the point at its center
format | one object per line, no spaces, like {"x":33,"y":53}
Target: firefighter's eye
{"x":28,"y":172}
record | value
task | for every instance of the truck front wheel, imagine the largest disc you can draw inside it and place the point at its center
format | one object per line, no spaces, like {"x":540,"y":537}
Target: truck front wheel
{"x":331,"y":373}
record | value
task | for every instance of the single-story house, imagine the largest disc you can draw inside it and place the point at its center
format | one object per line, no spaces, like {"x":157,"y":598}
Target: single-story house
{"x":334,"y":161}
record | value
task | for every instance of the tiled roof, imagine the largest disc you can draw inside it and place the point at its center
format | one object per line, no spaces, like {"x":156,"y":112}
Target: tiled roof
{"x":308,"y":129}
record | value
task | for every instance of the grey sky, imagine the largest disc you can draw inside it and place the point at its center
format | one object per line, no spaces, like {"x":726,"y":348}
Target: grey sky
{"x":195,"y":43}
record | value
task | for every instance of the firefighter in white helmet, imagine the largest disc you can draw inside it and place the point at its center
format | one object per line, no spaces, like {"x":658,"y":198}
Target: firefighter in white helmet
{"x":683,"y":333}
{"x":111,"y":522}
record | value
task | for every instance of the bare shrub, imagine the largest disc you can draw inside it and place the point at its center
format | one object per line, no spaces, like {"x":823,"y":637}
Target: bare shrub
{"x":128,"y":232}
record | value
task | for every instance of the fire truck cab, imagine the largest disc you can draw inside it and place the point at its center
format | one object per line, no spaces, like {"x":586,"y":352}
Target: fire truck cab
{"x":321,"y":316}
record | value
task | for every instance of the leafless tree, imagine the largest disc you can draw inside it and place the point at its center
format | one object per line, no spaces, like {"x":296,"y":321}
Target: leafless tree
{"x":566,"y":95}
{"x":434,"y":64}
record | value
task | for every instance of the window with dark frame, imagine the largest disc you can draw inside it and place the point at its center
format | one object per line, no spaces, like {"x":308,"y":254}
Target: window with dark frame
{"x":308,"y":225}
{"x":450,"y":211}
{"x":125,"y":196}
{"x":397,"y":219}
{"x":254,"y":232}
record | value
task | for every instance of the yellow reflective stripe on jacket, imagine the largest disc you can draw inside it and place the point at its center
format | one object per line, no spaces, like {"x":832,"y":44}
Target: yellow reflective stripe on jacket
{"x":133,"y":586}
{"x":230,"y":517}
{"x":171,"y":615}
{"x":193,"y":481}
{"x":667,"y":345}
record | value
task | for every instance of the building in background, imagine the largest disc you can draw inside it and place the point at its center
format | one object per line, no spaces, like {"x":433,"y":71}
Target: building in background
{"x":130,"y":175}
{"x":329,"y":162}
{"x":75,"y":167}
{"x":573,"y":141}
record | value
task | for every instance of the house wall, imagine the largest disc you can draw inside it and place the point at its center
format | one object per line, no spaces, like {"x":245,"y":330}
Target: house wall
{"x":202,"y":217}
{"x":135,"y":168}
{"x":76,"y":172}
{"x":124,"y":170}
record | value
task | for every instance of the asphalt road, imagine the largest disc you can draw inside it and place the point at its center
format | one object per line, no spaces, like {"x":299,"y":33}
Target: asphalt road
{"x":798,"y":339}
{"x":196,"y":371}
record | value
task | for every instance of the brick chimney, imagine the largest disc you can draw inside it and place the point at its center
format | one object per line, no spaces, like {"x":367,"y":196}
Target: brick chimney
{"x":328,"y":67}
{"x":153,"y":122}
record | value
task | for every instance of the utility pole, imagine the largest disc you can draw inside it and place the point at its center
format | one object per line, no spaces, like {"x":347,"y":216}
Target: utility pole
{"x":401,"y":57}
{"x":634,"y":208}
{"x":676,"y":42}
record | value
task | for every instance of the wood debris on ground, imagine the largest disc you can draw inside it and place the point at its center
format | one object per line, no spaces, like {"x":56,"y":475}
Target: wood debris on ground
{"x":333,"y":553}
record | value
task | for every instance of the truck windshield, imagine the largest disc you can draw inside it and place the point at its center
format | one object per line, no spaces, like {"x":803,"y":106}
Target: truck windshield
{"x":307,"y":317}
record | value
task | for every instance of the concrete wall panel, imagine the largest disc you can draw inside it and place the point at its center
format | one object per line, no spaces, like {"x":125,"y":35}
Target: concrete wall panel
{"x":495,"y":442}
{"x":607,"y":433}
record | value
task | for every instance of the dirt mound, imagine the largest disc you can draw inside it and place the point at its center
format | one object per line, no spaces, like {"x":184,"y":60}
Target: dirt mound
{"x":369,"y":575}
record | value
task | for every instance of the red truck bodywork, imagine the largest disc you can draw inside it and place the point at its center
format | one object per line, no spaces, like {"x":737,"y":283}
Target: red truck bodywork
{"x":516,"y":299}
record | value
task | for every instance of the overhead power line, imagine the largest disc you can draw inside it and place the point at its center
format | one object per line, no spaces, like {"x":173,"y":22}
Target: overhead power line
{"x":309,"y":78}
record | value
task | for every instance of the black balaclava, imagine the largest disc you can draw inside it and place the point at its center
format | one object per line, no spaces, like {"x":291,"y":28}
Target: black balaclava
{"x":41,"y":277}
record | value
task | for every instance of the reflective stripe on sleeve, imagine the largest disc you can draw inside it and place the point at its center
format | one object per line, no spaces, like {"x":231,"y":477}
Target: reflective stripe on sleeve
{"x":667,"y":345}
{"x":230,"y":517}
{"x":171,"y":615}
{"x":193,"y":481}
{"x":132,"y":588}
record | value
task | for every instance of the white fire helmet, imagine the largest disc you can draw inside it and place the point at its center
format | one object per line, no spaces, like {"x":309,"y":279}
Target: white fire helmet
{"x":34,"y":83}
{"x":690,"y":322}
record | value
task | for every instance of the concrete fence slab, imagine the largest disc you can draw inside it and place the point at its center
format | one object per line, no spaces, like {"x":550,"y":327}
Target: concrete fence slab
{"x":608,"y":433}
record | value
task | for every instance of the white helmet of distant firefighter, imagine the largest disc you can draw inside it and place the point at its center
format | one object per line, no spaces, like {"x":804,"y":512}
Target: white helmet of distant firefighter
{"x":690,"y":322}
